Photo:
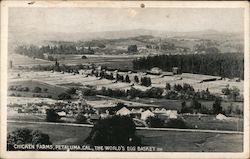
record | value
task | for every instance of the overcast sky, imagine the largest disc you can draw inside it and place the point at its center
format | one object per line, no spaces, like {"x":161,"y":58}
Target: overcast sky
{"x":71,"y":20}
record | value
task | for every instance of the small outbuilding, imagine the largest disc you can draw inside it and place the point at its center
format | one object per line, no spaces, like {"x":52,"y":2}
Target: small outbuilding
{"x":176,"y":70}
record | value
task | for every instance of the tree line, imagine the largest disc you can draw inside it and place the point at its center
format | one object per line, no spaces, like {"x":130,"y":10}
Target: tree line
{"x":228,"y":65}
{"x":38,"y":52}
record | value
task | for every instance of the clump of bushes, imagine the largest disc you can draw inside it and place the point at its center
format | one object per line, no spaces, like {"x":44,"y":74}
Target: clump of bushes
{"x":37,"y":90}
{"x":80,"y":118}
{"x":26,"y":136}
{"x":19,"y":88}
{"x":63,"y":96}
{"x":114,"y":131}
{"x":52,"y":116}
{"x":154,"y":122}
{"x":176,"y":123}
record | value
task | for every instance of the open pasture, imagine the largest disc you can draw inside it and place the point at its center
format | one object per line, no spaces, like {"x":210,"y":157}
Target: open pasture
{"x":46,"y":89}
{"x":169,"y":141}
{"x":21,"y":60}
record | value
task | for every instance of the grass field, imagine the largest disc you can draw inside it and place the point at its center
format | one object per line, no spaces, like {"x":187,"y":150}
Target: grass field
{"x":169,"y":141}
{"x":52,"y":90}
{"x":111,"y":61}
{"x":25,"y":61}
{"x":176,"y":104}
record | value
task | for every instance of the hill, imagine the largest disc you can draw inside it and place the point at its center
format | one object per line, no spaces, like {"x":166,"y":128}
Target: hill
{"x":35,"y":88}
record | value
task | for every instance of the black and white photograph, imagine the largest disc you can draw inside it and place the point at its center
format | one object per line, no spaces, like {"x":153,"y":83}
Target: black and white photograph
{"x":125,"y":77}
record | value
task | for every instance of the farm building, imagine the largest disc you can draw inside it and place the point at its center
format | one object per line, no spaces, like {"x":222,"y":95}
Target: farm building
{"x":123,"y":111}
{"x":61,"y":114}
{"x":221,"y":117}
{"x":146,"y":114}
{"x":155,"y":71}
{"x":176,"y":70}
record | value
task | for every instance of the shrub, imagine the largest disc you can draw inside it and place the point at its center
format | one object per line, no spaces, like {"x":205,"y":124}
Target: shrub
{"x":114,"y":131}
{"x":146,"y":81}
{"x":176,"y":123}
{"x":154,"y":92}
{"x":168,"y":86}
{"x":127,"y":79}
{"x":136,"y":79}
{"x":26,"y":136}
{"x":37,"y":90}
{"x":64,"y":96}
{"x":89,"y":92}
{"x":45,"y":90}
{"x":26,"y":89}
{"x":185,"y":108}
{"x":195,"y":104}
{"x":132,"y":48}
{"x":80,"y":118}
{"x":71,"y":90}
{"x":84,"y":57}
{"x":217,"y":108}
{"x":154,"y":122}
{"x":52,"y":116}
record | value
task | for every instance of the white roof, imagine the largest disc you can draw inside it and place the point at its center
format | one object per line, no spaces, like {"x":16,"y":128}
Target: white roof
{"x":169,"y":112}
{"x":146,"y":114}
{"x":172,"y":115}
{"x":221,"y":116}
{"x":61,"y":113}
{"x":123,"y":111}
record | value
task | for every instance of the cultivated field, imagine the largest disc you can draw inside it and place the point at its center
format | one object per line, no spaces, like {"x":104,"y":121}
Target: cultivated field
{"x":111,"y":61}
{"x":169,"y":141}
{"x":57,"y":78}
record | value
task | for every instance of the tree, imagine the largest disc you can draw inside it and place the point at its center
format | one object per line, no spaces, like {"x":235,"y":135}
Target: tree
{"x":146,"y":81}
{"x":114,"y":131}
{"x":177,"y":87}
{"x":176,"y":123}
{"x":211,"y":50}
{"x":37,"y":90}
{"x":195,"y":104}
{"x":235,"y":92}
{"x":84,"y":57}
{"x":57,"y":67}
{"x":127,"y":79}
{"x":229,"y":65}
{"x":52,"y":116}
{"x":136,"y":79}
{"x":63,"y":96}
{"x":168,"y":86}
{"x":226,"y":91}
{"x":217,"y":108}
{"x":80,"y":118}
{"x":132,"y":48}
{"x":154,"y":122}
{"x":71,"y":90}
{"x":45,"y":90}
{"x":154,"y":92}
{"x":26,"y":136}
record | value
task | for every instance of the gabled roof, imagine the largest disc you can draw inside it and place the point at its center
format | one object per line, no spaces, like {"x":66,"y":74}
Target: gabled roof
{"x":123,"y":111}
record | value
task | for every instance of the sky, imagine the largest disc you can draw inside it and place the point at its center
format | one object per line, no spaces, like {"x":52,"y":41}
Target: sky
{"x":73,"y":20}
